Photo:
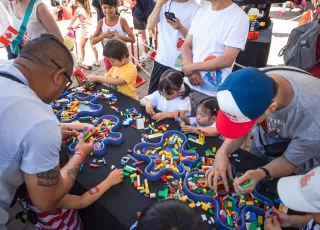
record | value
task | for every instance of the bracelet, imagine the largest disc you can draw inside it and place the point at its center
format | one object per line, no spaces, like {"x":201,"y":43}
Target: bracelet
{"x":81,"y":154}
{"x":266,"y":171}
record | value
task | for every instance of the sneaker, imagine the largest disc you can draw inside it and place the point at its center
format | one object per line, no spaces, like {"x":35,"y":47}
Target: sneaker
{"x":97,"y":64}
{"x":144,"y":56}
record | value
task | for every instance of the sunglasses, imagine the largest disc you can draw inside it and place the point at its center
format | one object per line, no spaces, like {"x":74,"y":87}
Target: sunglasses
{"x":65,"y":74}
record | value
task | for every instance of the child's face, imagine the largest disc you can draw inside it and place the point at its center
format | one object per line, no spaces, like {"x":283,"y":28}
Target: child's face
{"x":203,"y":116}
{"x":116,"y":62}
{"x":108,"y":11}
{"x":170,"y":97}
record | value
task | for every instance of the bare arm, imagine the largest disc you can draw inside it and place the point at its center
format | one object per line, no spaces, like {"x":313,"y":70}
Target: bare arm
{"x":98,"y":36}
{"x":226,"y":60}
{"x":73,"y":20}
{"x":83,"y":201}
{"x":126,"y":28}
{"x":186,"y":50}
{"x":153,"y":18}
{"x":210,"y":130}
{"x":149,"y":107}
{"x":106,"y":80}
{"x":47,"y":20}
{"x":46,"y":189}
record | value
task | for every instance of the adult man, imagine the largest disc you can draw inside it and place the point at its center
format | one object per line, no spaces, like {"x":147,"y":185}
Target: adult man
{"x":288,"y":101}
{"x":171,"y":35}
{"x":30,"y":136}
{"x":217,"y":34}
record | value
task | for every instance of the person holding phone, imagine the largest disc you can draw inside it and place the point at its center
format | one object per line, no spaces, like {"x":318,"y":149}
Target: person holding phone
{"x":174,"y":18}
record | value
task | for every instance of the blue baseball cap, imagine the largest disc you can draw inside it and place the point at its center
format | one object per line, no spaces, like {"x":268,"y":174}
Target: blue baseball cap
{"x":243,"y":97}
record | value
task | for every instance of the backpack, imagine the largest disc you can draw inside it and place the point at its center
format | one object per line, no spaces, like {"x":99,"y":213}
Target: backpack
{"x":301,"y":47}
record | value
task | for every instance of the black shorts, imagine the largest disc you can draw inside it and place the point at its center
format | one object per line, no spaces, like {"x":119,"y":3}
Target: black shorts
{"x":139,"y":25}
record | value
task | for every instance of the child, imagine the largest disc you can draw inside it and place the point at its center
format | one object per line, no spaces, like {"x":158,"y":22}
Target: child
{"x":205,"y":119}
{"x":171,"y":97}
{"x":123,"y":74}
{"x":66,"y":216}
{"x":300,"y":193}
{"x":83,"y":13}
{"x":169,"y":215}
{"x":111,"y":26}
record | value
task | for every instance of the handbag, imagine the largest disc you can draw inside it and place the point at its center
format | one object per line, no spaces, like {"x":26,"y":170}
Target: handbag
{"x":15,"y":44}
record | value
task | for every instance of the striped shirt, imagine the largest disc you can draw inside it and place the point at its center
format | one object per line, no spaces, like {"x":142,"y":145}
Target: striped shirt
{"x":63,"y":219}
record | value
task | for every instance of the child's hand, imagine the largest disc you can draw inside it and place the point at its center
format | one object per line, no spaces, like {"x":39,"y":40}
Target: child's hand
{"x":116,"y":35}
{"x":92,"y":78}
{"x":159,"y":116}
{"x":284,"y":219}
{"x":108,"y":35}
{"x":149,"y":109}
{"x":270,"y":224}
{"x":188,"y":129}
{"x":115,"y":177}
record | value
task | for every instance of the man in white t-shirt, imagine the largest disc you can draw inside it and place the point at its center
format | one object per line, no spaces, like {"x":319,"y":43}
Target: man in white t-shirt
{"x":30,"y":134}
{"x":217,"y":34}
{"x":172,"y":34}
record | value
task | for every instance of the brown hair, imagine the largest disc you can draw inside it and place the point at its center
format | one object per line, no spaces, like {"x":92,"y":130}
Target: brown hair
{"x":115,"y":49}
{"x":86,"y":4}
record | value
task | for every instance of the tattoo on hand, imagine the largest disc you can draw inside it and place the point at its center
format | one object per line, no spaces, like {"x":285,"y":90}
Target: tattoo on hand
{"x":49,"y":178}
{"x":73,"y":173}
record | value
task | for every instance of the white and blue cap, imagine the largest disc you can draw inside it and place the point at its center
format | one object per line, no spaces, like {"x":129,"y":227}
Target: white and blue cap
{"x":243,"y":97}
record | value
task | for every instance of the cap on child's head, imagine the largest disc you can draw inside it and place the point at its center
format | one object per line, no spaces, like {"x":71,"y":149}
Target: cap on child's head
{"x":301,"y":193}
{"x":170,"y":215}
{"x":243,"y":97}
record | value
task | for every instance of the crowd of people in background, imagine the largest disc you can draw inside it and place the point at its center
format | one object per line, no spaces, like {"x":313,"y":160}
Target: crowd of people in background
{"x":191,"y":78}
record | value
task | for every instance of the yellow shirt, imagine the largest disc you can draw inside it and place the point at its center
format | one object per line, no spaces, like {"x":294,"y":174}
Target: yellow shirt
{"x":127,"y":72}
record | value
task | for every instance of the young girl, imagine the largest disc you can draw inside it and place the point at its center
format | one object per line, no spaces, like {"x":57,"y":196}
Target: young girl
{"x":111,"y":26}
{"x":83,"y":13}
{"x":66,"y":216}
{"x":171,"y":97}
{"x":205,"y":120}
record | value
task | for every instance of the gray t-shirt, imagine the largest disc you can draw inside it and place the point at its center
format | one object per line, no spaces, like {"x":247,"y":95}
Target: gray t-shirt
{"x":30,"y":137}
{"x":299,"y":122}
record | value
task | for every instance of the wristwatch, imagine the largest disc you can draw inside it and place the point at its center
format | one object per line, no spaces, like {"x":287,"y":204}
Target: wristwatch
{"x":81,"y":154}
{"x":266,"y":171}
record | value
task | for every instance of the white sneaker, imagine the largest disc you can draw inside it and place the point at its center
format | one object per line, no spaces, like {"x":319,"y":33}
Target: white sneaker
{"x":144,"y":56}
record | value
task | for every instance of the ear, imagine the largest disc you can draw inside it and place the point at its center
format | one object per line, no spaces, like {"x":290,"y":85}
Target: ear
{"x":58,"y":77}
{"x":272,"y":107}
{"x":180,"y":89}
{"x":213,"y":118}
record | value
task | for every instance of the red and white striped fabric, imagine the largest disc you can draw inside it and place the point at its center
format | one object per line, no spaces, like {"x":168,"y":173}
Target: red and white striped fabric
{"x":63,"y":219}
{"x":8,"y":36}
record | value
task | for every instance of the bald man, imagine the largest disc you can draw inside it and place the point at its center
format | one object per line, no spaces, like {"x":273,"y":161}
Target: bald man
{"x":30,"y":134}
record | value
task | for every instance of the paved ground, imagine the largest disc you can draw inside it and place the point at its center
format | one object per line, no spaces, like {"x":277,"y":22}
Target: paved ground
{"x":282,"y":26}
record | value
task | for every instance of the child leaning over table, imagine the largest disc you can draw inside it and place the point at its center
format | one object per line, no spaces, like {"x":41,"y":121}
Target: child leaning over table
{"x":66,"y":216}
{"x":171,"y":98}
{"x":205,"y":120}
{"x":302,"y":194}
{"x":123,"y":74}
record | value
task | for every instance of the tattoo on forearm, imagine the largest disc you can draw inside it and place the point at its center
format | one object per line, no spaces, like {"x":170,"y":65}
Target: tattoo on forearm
{"x":73,"y":173}
{"x":49,"y":178}
{"x":94,"y":190}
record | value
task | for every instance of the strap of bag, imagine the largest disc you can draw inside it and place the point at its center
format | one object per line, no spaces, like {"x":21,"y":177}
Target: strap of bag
{"x":15,"y":48}
{"x":11,"y":77}
{"x":287,"y":69}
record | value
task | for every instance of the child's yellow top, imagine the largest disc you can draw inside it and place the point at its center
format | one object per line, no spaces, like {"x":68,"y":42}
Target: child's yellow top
{"x":127,"y":72}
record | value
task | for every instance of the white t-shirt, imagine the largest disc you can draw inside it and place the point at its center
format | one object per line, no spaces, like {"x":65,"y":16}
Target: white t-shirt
{"x":212,"y":31}
{"x":30,"y":137}
{"x":168,"y":51}
{"x":193,"y":122}
{"x":160,"y":103}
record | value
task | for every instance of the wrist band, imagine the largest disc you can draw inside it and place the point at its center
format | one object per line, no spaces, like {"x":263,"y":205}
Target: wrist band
{"x":266,"y":171}
{"x":81,"y":154}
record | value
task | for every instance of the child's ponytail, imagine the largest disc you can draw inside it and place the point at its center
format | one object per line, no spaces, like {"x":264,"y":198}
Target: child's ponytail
{"x":86,"y":4}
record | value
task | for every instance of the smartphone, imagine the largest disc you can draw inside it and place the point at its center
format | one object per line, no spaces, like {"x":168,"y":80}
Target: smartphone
{"x":169,"y":15}
{"x":140,"y":123}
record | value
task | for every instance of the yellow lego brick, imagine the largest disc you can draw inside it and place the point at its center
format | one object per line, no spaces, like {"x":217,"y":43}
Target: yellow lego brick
{"x":134,"y":175}
{"x":192,"y":205}
{"x":214,"y":149}
{"x":260,"y":220}
{"x":183,"y":198}
{"x":140,"y":188}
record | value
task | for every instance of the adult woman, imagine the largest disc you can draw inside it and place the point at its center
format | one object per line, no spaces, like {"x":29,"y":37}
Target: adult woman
{"x":40,"y":21}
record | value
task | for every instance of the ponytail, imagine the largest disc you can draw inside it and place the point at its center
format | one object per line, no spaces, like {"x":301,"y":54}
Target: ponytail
{"x":86,"y":4}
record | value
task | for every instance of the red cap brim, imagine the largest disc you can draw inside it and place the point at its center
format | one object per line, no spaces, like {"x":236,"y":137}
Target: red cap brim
{"x":230,"y":129}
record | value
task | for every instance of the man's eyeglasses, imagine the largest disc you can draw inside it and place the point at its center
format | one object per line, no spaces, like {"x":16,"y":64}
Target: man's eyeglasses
{"x":65,"y":74}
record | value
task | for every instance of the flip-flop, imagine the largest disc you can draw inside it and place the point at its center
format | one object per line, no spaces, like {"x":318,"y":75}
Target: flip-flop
{"x":86,"y":67}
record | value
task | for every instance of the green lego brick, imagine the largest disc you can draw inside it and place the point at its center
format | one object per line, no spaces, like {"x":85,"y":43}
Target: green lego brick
{"x":198,"y":165}
{"x":210,"y":193}
{"x":132,"y":180}
{"x":163,"y":194}
{"x":230,"y":181}
{"x":211,"y":211}
{"x":247,"y":185}
{"x":126,"y":174}
{"x":175,"y":152}
{"x":229,"y":221}
{"x":253,"y":225}
{"x":194,"y":179}
{"x":199,"y":190}
{"x":208,"y":151}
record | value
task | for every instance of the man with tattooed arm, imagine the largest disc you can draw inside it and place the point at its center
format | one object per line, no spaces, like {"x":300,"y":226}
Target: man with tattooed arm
{"x":30,"y":134}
